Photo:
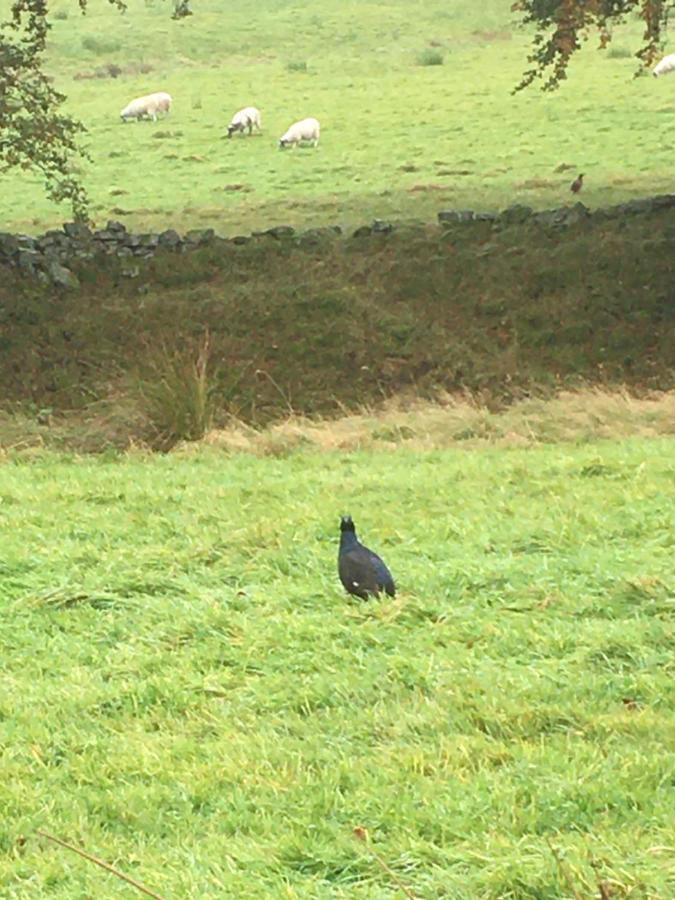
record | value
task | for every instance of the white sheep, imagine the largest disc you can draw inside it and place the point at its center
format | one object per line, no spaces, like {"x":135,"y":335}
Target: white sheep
{"x":147,"y":106}
{"x":666,"y":65}
{"x":307,"y":130}
{"x":249,"y":117}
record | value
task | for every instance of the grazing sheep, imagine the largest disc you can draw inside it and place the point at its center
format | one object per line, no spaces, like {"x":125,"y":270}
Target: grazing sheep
{"x":249,"y":117}
{"x":666,"y":65}
{"x":307,"y":130}
{"x":147,"y":106}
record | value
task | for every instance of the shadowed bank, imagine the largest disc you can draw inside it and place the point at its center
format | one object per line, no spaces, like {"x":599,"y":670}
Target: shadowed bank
{"x":270,"y":328}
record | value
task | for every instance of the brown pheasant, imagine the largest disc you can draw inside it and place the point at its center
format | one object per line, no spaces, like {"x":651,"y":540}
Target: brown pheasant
{"x":577,"y":184}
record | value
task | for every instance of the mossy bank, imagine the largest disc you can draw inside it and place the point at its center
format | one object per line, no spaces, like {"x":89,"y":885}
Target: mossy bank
{"x":317,"y":326}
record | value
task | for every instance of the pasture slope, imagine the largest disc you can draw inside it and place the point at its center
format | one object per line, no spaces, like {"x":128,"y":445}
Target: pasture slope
{"x":187,"y":692}
{"x":399,"y":139}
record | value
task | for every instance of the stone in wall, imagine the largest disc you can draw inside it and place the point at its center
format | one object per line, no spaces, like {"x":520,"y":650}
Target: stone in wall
{"x":515,"y":214}
{"x":170,"y":238}
{"x":566,"y":215}
{"x":456,"y":216}
{"x":316,"y":236}
{"x":199,"y":237}
{"x":380,"y":226}
{"x":60,"y":276}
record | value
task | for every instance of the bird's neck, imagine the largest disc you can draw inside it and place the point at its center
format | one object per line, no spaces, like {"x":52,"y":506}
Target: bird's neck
{"x":347,"y":540}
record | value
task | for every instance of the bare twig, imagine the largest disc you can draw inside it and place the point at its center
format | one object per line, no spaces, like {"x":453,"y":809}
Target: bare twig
{"x":102,"y":863}
{"x":361,"y":834}
{"x":563,"y":871}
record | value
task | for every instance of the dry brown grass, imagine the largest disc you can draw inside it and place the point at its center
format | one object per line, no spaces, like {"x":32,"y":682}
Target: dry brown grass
{"x":406,"y":420}
{"x":591,"y":414}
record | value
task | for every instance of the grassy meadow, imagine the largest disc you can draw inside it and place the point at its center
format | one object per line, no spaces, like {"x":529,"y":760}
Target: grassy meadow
{"x":187,"y":693}
{"x":399,"y":138}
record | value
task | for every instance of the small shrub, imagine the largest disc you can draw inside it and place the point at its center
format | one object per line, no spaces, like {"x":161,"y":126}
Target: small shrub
{"x":430,"y":57}
{"x":100,"y":45}
{"x":296,"y":66}
{"x":109,"y":70}
{"x":61,"y":14}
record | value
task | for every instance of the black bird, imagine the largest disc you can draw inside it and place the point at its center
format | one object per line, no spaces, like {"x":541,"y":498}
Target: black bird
{"x":361,"y":571}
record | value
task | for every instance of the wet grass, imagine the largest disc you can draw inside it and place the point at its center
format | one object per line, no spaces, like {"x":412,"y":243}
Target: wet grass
{"x":187,"y":693}
{"x":398,"y":138}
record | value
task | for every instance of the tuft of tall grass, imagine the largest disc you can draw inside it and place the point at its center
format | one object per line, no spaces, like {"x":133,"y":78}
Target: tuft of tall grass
{"x":296,"y":65}
{"x":616,"y":51}
{"x":178,"y":394}
{"x":430,"y":57}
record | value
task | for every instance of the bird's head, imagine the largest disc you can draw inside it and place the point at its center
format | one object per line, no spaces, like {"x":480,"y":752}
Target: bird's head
{"x":347,"y":524}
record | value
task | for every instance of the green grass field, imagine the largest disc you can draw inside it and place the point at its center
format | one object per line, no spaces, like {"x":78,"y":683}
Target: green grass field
{"x":399,"y":139}
{"x":186,"y":692}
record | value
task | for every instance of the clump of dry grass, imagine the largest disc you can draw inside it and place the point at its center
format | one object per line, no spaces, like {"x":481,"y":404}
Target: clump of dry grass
{"x":586,"y":415}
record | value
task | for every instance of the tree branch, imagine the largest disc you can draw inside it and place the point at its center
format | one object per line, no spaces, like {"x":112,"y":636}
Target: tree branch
{"x":102,"y":863}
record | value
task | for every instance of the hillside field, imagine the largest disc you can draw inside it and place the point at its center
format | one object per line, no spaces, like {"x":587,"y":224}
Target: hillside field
{"x":400,"y":139}
{"x":186,"y":692}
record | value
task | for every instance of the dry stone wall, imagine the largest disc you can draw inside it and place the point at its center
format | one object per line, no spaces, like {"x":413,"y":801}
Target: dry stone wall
{"x":53,"y":257}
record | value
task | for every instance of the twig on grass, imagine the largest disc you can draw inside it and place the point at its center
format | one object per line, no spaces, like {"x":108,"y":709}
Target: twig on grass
{"x":361,"y":834}
{"x":563,"y":871}
{"x":102,"y":863}
{"x":603,"y":886}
